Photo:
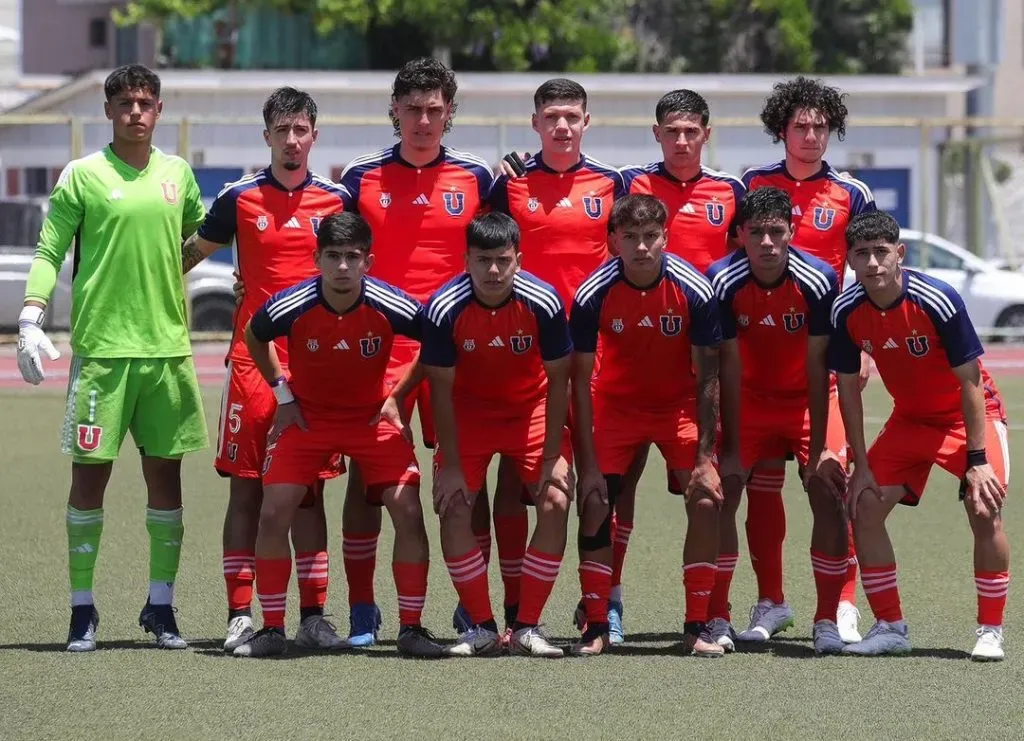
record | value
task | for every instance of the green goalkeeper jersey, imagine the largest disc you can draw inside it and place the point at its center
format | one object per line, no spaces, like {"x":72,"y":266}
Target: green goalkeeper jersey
{"x":128,"y":297}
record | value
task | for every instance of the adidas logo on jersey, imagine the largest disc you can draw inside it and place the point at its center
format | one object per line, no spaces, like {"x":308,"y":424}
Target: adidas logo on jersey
{"x":496,"y":342}
{"x":343,"y":345}
{"x":292,"y":223}
{"x":890,"y":344}
{"x":797,"y":211}
{"x":564,"y":203}
{"x":421,"y":200}
{"x":687,"y":208}
{"x":645,"y":322}
{"x":768,"y":321}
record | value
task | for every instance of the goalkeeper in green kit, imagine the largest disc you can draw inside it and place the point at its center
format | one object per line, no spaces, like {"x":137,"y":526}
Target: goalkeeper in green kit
{"x":127,"y":209}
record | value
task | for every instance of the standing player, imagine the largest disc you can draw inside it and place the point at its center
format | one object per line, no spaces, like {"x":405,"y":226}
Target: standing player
{"x":496,"y":350}
{"x":127,"y":208}
{"x":701,"y":205}
{"x":340,"y":327}
{"x":272,"y":216}
{"x":803,"y":114}
{"x":775,"y":303}
{"x":946,"y":410}
{"x":561,"y":202}
{"x":418,"y":197}
{"x":649,"y":310}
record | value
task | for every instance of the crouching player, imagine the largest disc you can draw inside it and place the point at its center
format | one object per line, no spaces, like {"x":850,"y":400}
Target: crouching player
{"x":340,"y":326}
{"x":946,"y":410}
{"x":496,"y":350}
{"x":775,"y":303}
{"x":649,"y":309}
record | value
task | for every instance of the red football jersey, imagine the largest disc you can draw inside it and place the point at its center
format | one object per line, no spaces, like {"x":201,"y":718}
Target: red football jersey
{"x":497,"y":352}
{"x":700,"y":211}
{"x":418,"y":215}
{"x":338,"y":361}
{"x":915,"y":345}
{"x":274,"y":233}
{"x":772,"y":323}
{"x":822,"y":207}
{"x":646,"y":334}
{"x":562,"y":217}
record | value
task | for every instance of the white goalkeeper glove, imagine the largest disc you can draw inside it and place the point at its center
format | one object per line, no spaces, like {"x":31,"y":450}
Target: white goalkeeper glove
{"x":32,"y":339}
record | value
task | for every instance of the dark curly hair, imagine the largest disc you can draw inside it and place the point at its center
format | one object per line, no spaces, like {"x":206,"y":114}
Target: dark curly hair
{"x":427,"y":74}
{"x":868,"y":227}
{"x":763,"y":204}
{"x":803,"y":92}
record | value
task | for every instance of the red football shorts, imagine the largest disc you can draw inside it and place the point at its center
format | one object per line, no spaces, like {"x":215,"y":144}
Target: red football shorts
{"x":403,"y":355}
{"x":519,"y":439}
{"x":905,"y":450}
{"x":619,"y":433}
{"x":246,"y":415}
{"x":771,"y":430}
{"x":385,"y":458}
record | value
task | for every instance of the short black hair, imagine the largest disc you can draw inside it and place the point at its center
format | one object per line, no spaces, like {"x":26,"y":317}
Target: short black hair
{"x":637,"y":210}
{"x":287,"y":102}
{"x":131,"y":77}
{"x":873,"y":225}
{"x":803,"y":92}
{"x":682,"y":101}
{"x":559,"y":88}
{"x":765,"y":203}
{"x":492,"y":231}
{"x":344,"y":229}
{"x":426,"y":74}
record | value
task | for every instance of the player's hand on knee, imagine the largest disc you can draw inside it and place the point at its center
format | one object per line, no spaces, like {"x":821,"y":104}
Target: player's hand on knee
{"x":391,"y":412}
{"x":862,"y":482}
{"x":705,"y":478}
{"x":32,"y":339}
{"x":238,"y":288}
{"x":513,"y":164}
{"x":827,"y":468}
{"x":286,"y":415}
{"x":449,"y":488}
{"x":591,"y":484}
{"x":557,"y":472}
{"x":984,"y":490}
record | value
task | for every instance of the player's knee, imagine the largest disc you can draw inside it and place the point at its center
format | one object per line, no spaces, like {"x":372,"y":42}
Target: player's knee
{"x":871,"y":512}
{"x":591,"y":538}
{"x":552,"y":501}
{"x":405,"y":509}
{"x":702,"y":506}
{"x":458,"y":516}
{"x":824,"y":506}
{"x":984,"y":524}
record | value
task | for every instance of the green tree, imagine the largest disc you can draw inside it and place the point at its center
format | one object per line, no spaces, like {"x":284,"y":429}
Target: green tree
{"x":504,"y":34}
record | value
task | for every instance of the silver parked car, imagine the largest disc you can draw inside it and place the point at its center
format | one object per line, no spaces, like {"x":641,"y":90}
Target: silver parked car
{"x":208,"y":284}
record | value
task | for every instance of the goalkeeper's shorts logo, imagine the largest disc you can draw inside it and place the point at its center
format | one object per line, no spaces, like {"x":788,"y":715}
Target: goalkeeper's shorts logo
{"x":89,"y":437}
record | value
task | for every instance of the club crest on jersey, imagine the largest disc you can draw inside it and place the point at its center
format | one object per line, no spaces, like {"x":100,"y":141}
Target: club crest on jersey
{"x":314,"y":221}
{"x":793,"y":322}
{"x":384,"y":200}
{"x":867,"y":347}
{"x":312,"y":345}
{"x":170,"y":191}
{"x":617,"y":325}
{"x":520,"y":343}
{"x":593,"y":206}
{"x":469,"y":345}
{"x":918,"y":345}
{"x":532,"y":204}
{"x":743,"y":320}
{"x":454,"y":202}
{"x":262,"y":222}
{"x":824,"y":218}
{"x":369,"y":346}
{"x":715,"y":212}
{"x":671,"y":324}
{"x":89,"y":437}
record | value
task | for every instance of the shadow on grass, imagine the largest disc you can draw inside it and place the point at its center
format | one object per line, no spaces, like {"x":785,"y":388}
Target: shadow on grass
{"x":200,"y":645}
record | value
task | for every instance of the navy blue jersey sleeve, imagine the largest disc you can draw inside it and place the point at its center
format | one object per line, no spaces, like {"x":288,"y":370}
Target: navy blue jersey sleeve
{"x":438,"y":322}
{"x":843,"y":353}
{"x":724,"y":291}
{"x":221,"y":220}
{"x":819,"y":309}
{"x":629,"y":174}
{"x":705,"y":320}
{"x":547,"y":307}
{"x":583,"y":324}
{"x":275,"y":318}
{"x":402,"y":311}
{"x":497,"y":198}
{"x":946,"y":309}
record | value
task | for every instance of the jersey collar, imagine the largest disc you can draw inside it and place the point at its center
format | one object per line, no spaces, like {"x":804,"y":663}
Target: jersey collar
{"x":269,"y":175}
{"x":663,"y":172}
{"x":397,"y":157}
{"x":120,"y":164}
{"x":825,"y":167}
{"x":353,"y":307}
{"x":635,"y":287}
{"x":546,"y":168}
{"x":905,"y":282}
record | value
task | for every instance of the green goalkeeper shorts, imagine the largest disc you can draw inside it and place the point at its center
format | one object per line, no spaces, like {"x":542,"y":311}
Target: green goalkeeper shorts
{"x":157,"y":399}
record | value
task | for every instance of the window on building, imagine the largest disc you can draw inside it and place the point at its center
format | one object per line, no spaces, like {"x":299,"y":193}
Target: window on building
{"x":931,"y":22}
{"x":37,"y":181}
{"x":98,"y":33}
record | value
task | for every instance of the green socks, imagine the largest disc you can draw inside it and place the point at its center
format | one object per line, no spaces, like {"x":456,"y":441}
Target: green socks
{"x":165,"y":534}
{"x":84,"y":530}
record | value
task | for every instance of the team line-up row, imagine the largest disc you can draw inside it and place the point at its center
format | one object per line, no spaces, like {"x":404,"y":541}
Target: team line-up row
{"x":655,"y":303}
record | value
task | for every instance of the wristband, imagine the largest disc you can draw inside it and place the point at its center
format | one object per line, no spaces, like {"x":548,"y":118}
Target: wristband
{"x":976,"y":458}
{"x":282,"y":393}
{"x":30,"y":315}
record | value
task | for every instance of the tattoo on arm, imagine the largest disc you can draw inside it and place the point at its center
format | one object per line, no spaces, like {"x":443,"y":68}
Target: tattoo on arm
{"x":191,"y":255}
{"x":707,"y":402}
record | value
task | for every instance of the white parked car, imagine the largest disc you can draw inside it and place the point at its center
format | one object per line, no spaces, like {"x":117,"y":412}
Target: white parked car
{"x":994,"y":297}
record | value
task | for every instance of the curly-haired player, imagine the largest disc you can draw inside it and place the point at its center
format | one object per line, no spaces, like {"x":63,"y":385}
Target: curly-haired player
{"x":803,"y":114}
